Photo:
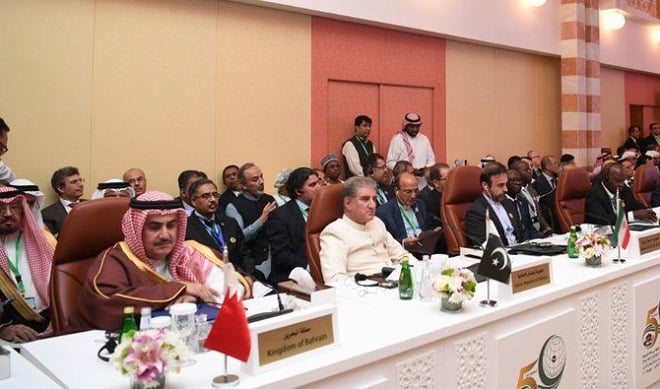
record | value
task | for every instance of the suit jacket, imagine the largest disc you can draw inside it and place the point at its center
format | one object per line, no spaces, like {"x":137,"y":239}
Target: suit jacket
{"x":433,"y":201}
{"x":546,"y":198}
{"x":475,"y":222}
{"x":522,"y":216}
{"x":54,"y":216}
{"x":598,"y":207}
{"x":390,"y":215}
{"x":239,"y":254}
{"x":646,"y":142}
{"x":286,"y":233}
{"x":632,"y":143}
{"x":655,"y":197}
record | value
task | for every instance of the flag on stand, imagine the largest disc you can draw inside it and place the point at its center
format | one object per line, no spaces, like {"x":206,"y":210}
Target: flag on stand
{"x":621,"y":229}
{"x":230,"y":334}
{"x":495,"y":262}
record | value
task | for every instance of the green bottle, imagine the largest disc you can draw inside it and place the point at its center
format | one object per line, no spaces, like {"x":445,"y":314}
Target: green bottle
{"x":405,"y":281}
{"x":128,"y":323}
{"x":571,"y":247}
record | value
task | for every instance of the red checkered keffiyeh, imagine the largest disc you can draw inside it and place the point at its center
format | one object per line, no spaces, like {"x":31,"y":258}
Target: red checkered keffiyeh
{"x":185,"y":263}
{"x":39,"y":252}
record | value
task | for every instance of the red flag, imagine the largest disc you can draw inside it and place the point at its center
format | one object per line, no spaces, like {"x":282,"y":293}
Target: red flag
{"x":230,"y":333}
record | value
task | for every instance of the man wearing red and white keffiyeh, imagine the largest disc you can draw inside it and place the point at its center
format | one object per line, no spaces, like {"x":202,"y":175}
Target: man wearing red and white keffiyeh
{"x":153,"y":266}
{"x":25,"y":260}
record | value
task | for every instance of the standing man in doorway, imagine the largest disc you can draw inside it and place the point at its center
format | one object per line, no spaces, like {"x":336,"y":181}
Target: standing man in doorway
{"x":357,"y":150}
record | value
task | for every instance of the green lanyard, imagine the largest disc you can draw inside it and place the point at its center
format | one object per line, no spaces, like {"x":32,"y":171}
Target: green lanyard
{"x":411,"y":224}
{"x":14,"y":267}
{"x":381,"y":196}
{"x":304,"y":211}
{"x":364,"y":148}
{"x":284,"y":199}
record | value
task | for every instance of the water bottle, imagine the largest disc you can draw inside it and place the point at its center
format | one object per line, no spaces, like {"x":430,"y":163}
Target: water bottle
{"x":128,"y":323}
{"x":571,"y":247}
{"x":425,"y":288}
{"x":145,"y":318}
{"x":405,"y":281}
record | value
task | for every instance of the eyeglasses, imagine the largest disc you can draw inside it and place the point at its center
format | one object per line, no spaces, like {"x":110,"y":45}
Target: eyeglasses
{"x":381,"y":167}
{"x":208,"y":196}
{"x":12,"y":207}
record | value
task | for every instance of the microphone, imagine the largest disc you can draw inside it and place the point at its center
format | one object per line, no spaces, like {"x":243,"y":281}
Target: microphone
{"x":547,"y":193}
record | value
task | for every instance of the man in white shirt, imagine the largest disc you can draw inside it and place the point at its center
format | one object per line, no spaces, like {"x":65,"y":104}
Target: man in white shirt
{"x":409,"y":145}
{"x":358,"y":242}
{"x":25,"y":262}
{"x":357,"y":150}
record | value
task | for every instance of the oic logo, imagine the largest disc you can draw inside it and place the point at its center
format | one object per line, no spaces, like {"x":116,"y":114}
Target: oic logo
{"x":551,"y":364}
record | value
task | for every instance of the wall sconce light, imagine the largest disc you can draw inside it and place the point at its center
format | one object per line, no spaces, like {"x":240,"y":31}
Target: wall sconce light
{"x":613,"y":19}
{"x":656,"y":34}
{"x":536,"y":3}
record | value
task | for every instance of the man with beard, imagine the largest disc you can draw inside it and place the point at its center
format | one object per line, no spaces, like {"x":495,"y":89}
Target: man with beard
{"x":514,"y":200}
{"x":153,"y":267}
{"x":358,"y":242}
{"x":251,"y":210}
{"x":184,"y":180}
{"x":493,"y":184}
{"x":377,"y":171}
{"x":210,"y":227}
{"x":69,"y":186}
{"x":409,"y":145}
{"x":357,"y":149}
{"x":137,"y":179}
{"x":232,"y":186}
{"x":25,"y":258}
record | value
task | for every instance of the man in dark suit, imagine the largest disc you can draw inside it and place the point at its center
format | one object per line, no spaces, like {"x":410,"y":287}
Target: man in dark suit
{"x":493,"y":183}
{"x":633,"y":141}
{"x":405,"y":215}
{"x":518,"y":203}
{"x":653,"y":140}
{"x":545,"y":186}
{"x":377,"y":171}
{"x":286,"y":226}
{"x":210,"y":227}
{"x":232,"y":186}
{"x":69,"y":186}
{"x":600,"y":201}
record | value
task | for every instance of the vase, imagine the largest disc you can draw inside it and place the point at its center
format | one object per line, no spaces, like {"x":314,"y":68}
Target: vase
{"x":445,"y":305}
{"x":593,"y":261}
{"x":160,"y":383}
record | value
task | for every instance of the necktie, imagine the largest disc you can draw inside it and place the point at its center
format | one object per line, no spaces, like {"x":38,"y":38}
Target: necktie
{"x":73,"y":204}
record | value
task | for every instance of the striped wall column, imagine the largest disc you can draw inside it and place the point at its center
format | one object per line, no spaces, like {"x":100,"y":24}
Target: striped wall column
{"x":580,"y":80}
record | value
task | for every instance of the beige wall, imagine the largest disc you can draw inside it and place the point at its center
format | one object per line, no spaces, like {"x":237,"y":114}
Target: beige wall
{"x":500,"y":102}
{"x":164,"y":85}
{"x":613,"y":108}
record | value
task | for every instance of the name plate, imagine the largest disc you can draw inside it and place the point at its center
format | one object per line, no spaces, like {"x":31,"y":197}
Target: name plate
{"x":650,"y":243}
{"x":530,"y":277}
{"x":291,"y":340}
{"x":287,"y":338}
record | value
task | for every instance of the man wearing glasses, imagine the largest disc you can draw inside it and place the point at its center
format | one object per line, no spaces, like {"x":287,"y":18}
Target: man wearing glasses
{"x":377,"y":171}
{"x":209,"y":226}
{"x":69,"y":186}
{"x":25,"y":261}
{"x":405,"y":215}
{"x":6,"y":175}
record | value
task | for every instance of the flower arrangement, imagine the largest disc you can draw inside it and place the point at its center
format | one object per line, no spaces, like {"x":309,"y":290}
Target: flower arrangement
{"x":456,"y":284}
{"x":593,"y":245}
{"x":145,"y":355}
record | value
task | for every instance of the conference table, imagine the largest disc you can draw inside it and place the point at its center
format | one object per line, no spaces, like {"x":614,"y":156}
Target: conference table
{"x":589,"y":327}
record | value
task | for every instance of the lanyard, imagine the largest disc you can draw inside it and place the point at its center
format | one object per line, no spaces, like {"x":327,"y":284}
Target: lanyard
{"x":283,"y":198}
{"x":382,"y":199}
{"x":304,"y":211}
{"x":14,"y":266}
{"x":411,"y":224}
{"x":364,"y":148}
{"x":215,"y":232}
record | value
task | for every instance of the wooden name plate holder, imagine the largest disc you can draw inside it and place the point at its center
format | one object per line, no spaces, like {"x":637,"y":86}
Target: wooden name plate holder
{"x":527,"y":273}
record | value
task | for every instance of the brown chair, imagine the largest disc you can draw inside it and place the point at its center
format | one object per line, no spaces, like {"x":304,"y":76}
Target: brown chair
{"x":463,"y":187}
{"x":646,"y":179}
{"x":327,"y":206}
{"x":91,"y":227}
{"x":572,"y":188}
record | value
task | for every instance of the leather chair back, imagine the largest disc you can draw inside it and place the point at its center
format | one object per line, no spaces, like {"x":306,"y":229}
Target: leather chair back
{"x":463,"y":187}
{"x":572,"y":188}
{"x":91,"y":227}
{"x":327,"y":206}
{"x":646,"y":179}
